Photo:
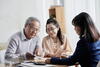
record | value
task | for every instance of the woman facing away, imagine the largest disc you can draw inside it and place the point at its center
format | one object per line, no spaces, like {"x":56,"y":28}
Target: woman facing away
{"x":55,"y":44}
{"x":87,"y":52}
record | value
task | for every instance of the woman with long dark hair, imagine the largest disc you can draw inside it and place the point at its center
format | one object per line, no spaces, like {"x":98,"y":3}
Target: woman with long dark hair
{"x":55,"y":43}
{"x":87,"y":52}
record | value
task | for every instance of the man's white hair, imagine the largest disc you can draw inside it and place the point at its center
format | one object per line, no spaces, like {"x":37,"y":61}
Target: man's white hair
{"x":30,"y":19}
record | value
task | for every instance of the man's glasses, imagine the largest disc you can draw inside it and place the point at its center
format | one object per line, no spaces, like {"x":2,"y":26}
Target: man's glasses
{"x":33,"y":28}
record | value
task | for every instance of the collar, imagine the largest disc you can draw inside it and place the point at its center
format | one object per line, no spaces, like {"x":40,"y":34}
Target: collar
{"x":23,"y":35}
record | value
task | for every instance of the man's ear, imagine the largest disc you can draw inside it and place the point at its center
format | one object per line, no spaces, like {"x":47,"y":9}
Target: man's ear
{"x":27,"y":25}
{"x":58,"y":28}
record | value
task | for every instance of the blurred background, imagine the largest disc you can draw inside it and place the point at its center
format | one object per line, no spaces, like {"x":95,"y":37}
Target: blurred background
{"x":13,"y":14}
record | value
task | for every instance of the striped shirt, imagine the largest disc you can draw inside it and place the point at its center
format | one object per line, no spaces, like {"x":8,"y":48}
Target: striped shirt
{"x":19,"y":45}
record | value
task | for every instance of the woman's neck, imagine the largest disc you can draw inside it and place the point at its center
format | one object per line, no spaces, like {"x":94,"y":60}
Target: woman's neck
{"x":54,"y":39}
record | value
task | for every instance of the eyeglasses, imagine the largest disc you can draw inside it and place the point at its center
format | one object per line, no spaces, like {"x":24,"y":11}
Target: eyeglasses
{"x":33,"y":29}
{"x":51,"y":29}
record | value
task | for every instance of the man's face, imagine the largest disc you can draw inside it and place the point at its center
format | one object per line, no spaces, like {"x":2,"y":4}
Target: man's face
{"x":32,"y":29}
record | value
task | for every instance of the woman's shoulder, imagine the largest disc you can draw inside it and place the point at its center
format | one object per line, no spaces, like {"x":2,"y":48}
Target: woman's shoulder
{"x":82,"y":42}
{"x":46,"y":40}
{"x":96,"y":43}
{"x":64,"y":36}
{"x":46,"y":37}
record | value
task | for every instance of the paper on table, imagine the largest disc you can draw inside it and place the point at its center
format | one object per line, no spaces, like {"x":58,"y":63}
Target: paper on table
{"x":33,"y":65}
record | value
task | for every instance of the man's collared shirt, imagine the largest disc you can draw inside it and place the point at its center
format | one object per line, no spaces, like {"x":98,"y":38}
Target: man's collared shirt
{"x":19,"y":45}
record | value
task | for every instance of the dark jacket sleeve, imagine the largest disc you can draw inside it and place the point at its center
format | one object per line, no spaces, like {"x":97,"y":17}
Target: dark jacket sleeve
{"x":68,"y":61}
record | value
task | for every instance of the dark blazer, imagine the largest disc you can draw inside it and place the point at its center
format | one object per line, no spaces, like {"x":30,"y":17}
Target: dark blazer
{"x":86,"y":54}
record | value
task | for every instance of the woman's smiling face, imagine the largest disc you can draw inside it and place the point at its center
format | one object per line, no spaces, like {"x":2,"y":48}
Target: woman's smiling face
{"x":52,"y":30}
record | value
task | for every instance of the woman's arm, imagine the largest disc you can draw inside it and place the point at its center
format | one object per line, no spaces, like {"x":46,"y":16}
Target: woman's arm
{"x":38,"y":48}
{"x":64,"y":50}
{"x":67,"y":61}
{"x":67,"y":49}
{"x":45,"y":47}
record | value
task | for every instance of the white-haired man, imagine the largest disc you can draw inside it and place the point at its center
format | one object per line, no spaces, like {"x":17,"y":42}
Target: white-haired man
{"x":25,"y":44}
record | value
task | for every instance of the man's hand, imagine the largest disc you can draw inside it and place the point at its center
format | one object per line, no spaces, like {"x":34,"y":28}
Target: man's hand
{"x":29,"y":56}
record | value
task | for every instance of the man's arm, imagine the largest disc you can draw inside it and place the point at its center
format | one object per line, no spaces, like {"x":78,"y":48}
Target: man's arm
{"x":38,"y":48}
{"x":11,"y":50}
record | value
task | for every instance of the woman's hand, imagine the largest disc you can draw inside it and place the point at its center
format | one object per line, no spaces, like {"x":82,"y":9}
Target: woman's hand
{"x":59,"y":52}
{"x":49,"y":55}
{"x":47,"y":61}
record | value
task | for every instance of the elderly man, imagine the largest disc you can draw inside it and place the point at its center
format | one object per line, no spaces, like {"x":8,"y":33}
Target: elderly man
{"x":25,"y":44}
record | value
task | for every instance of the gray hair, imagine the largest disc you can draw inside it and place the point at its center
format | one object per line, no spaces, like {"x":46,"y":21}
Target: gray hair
{"x":30,"y":19}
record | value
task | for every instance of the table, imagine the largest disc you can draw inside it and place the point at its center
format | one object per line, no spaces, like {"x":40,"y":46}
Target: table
{"x":4,"y":65}
{"x":23,"y":63}
{"x":26,"y":63}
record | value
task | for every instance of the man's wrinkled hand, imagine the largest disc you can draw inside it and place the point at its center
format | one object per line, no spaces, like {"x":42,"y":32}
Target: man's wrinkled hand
{"x":29,"y":56}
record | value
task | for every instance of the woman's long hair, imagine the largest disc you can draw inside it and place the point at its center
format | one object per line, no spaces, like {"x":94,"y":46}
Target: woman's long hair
{"x":54,"y":22}
{"x":88,"y":29}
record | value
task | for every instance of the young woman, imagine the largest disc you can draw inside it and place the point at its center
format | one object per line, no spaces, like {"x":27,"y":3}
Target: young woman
{"x":55,"y":43}
{"x":87,"y":52}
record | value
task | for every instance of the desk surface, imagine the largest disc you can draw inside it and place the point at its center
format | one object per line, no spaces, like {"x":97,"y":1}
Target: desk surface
{"x":47,"y":65}
{"x":24,"y":63}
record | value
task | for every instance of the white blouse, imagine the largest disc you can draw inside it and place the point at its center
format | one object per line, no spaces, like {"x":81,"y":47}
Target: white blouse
{"x":51,"y":47}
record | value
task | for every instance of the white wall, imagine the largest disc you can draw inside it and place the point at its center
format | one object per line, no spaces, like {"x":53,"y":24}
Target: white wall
{"x":8,"y":19}
{"x":98,"y":14}
{"x":74,"y":7}
{"x":13,"y":14}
